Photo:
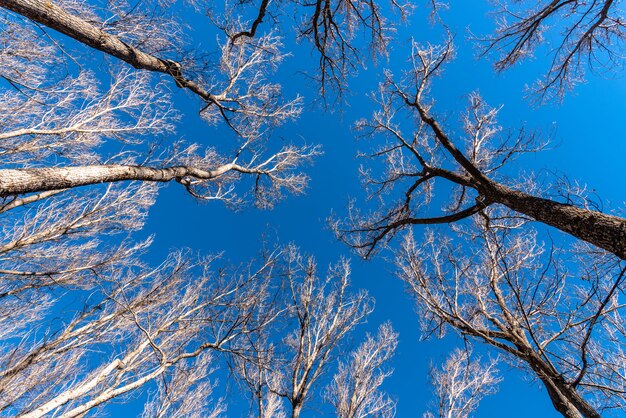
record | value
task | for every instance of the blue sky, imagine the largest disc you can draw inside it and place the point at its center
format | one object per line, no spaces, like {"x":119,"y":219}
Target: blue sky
{"x":588,"y":146}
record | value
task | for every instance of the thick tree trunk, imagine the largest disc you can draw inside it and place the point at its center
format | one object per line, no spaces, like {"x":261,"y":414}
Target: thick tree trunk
{"x":31,"y":180}
{"x":564,"y":397}
{"x":560,"y":402}
{"x":604,"y":231}
{"x":53,"y":16}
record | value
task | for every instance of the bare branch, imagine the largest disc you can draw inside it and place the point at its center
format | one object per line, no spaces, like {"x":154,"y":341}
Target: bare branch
{"x":461,"y":383}
{"x":531,"y":306}
{"x":589,"y":37}
{"x":429,"y":153}
{"x":355,"y":388}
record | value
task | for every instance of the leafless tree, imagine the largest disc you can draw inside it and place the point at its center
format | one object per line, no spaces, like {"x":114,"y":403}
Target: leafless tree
{"x":51,"y":145}
{"x":295,"y":352}
{"x":71,"y":118}
{"x":461,"y":383}
{"x":469,"y":164}
{"x":355,"y":389}
{"x":555,"y":314}
{"x":84,"y":320}
{"x":54,"y":128}
{"x":234,"y":87}
{"x":143,"y":35}
{"x":143,"y":324}
{"x":585,"y":35}
{"x":323,"y":312}
{"x":339,"y":31}
{"x":332,"y":27}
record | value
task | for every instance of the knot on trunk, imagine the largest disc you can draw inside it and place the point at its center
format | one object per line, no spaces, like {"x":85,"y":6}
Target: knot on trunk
{"x":175,"y":70}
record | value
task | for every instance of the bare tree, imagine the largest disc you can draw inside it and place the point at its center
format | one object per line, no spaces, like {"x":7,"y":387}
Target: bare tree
{"x":355,"y":389}
{"x":83,"y":30}
{"x":196,"y":180}
{"x":469,"y":165}
{"x":332,"y":27}
{"x":71,"y":118}
{"x":556,"y":315}
{"x":142,"y":38}
{"x":585,"y":35}
{"x":54,"y":130}
{"x":234,"y":87}
{"x":298,"y":350}
{"x":324,"y":313}
{"x":339,"y":32}
{"x":147,"y":324}
{"x":52,"y":227}
{"x":461,"y":383}
{"x":84,"y":320}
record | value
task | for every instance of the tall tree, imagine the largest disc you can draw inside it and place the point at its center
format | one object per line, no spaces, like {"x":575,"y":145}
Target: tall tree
{"x":557,"y":315}
{"x":469,"y":164}
{"x":242,"y":91}
{"x":297,"y":351}
{"x":81,"y":167}
{"x":147,"y":324}
{"x":331,"y":28}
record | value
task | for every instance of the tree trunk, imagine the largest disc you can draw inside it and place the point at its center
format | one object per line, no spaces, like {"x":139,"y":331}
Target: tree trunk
{"x":560,"y":402}
{"x":30,"y":180}
{"x":604,"y":231}
{"x":53,"y":16}
{"x":296,"y":409}
{"x":564,"y":397}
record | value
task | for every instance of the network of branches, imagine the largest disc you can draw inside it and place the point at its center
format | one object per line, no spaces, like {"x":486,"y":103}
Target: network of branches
{"x":91,"y":129}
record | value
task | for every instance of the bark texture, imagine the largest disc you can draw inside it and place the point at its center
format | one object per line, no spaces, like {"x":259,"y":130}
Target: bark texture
{"x":31,"y":180}
{"x":604,"y":231}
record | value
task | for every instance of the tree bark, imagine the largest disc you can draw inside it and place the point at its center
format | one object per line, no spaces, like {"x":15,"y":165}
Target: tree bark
{"x":32,"y":180}
{"x":604,"y":231}
{"x":564,"y":397}
{"x":559,"y":401}
{"x":54,"y":17}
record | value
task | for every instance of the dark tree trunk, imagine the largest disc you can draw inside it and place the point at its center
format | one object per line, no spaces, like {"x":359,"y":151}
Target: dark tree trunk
{"x":604,"y":231}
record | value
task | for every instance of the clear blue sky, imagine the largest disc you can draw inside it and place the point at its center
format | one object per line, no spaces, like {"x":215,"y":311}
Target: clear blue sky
{"x":589,"y":147}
